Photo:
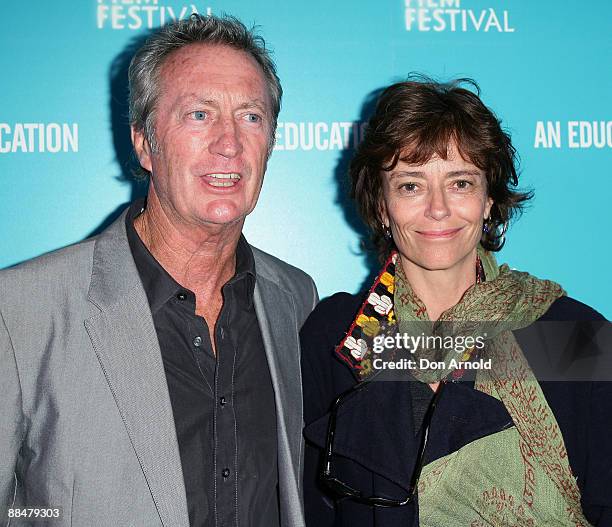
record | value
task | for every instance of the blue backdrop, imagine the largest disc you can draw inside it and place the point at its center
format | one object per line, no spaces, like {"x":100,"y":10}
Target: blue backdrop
{"x":543,"y":66}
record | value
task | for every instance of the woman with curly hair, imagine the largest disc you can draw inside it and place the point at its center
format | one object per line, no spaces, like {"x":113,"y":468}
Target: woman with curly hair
{"x":478,"y":432}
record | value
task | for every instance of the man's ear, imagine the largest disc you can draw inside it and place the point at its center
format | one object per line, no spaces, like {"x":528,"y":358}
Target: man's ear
{"x":142,"y":148}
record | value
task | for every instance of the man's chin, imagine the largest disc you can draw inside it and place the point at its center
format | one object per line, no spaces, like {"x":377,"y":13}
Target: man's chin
{"x":223,"y":211}
{"x":225,"y":219}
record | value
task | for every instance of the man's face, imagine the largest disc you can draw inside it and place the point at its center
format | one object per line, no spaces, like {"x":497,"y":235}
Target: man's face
{"x":213,"y":121}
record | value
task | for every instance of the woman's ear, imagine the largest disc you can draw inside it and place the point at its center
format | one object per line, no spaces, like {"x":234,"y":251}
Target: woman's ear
{"x":382,"y":212}
{"x":488,"y":205}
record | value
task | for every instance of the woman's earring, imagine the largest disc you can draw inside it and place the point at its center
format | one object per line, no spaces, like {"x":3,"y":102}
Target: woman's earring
{"x":485,"y":226}
{"x":387,"y":233}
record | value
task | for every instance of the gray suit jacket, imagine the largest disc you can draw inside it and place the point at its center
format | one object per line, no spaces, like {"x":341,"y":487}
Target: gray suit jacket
{"x":85,"y":416}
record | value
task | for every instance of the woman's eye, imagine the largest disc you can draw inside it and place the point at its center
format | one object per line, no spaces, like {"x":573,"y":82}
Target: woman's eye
{"x":409,"y":187}
{"x":462,"y":184}
{"x":198,"y":115}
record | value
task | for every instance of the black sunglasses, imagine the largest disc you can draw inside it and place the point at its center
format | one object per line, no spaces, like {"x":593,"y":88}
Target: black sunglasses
{"x":342,"y":490}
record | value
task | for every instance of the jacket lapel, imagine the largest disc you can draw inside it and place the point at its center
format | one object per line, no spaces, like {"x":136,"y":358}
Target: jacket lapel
{"x":125,"y":341}
{"x":278,"y":324}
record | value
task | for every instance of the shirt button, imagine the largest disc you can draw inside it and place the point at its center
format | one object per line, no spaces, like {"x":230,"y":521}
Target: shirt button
{"x":197,"y":342}
{"x":222,"y":401}
{"x":225,"y":472}
{"x":181,"y":296}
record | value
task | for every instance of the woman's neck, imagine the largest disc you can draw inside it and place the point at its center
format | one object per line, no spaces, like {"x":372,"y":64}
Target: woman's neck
{"x":440,"y":289}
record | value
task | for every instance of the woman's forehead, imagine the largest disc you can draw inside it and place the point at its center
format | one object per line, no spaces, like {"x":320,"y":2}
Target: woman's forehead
{"x":450,"y":154}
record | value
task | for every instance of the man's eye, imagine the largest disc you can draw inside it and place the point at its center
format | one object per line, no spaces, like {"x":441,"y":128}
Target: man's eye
{"x":198,"y":115}
{"x":253,"y":118}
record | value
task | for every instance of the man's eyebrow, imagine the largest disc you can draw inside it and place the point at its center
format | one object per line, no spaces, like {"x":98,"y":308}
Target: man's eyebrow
{"x":254,"y":103}
{"x":193,"y":98}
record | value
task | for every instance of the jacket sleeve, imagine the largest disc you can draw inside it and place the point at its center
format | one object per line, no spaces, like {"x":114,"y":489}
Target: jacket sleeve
{"x":315,"y":294}
{"x":309,"y":299}
{"x":323,"y":379}
{"x":319,"y":510}
{"x":11,"y":420}
{"x":597,"y":494}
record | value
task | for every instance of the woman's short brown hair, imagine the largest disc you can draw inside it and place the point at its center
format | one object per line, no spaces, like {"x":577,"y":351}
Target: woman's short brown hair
{"x":416,"y":119}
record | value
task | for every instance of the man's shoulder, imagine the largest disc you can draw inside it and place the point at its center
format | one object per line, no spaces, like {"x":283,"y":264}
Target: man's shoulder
{"x":36,"y":290}
{"x":276,"y":270}
{"x":68,"y":267}
{"x":69,"y":262}
{"x":293,"y":281}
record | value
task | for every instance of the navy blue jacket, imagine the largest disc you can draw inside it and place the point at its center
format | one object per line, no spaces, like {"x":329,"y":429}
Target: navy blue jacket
{"x":377,"y":445}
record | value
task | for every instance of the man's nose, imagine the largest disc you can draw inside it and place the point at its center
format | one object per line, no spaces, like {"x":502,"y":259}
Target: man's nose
{"x":226,"y":139}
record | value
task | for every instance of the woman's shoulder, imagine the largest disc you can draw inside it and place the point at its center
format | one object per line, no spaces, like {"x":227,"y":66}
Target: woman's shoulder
{"x":324,"y":376}
{"x":337,"y":308}
{"x":327,"y":325}
{"x":568,"y":309}
{"x":563,"y":337}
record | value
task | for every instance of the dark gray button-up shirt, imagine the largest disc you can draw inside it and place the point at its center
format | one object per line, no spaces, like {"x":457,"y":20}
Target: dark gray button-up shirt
{"x":223,"y":406}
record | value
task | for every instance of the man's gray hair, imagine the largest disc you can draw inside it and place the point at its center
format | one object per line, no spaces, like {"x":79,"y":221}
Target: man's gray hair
{"x":145,"y":66}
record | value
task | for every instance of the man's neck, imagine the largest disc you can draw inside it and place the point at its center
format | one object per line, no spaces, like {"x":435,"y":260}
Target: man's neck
{"x":200,"y":258}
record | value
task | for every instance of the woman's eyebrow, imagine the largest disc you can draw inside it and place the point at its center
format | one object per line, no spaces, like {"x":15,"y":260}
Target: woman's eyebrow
{"x":455,"y":173}
{"x":407,"y":173}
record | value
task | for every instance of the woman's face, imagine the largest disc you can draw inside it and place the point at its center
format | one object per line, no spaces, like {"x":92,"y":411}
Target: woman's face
{"x":436,"y":211}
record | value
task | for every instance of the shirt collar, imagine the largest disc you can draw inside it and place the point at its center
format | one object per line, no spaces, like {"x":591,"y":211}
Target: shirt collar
{"x":245,"y":269}
{"x":159,"y":286}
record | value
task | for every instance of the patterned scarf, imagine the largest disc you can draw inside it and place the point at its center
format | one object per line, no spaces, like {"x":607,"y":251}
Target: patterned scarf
{"x":506,"y":300}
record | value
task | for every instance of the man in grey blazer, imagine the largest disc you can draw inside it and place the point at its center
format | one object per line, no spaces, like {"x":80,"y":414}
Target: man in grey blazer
{"x":150,"y":375}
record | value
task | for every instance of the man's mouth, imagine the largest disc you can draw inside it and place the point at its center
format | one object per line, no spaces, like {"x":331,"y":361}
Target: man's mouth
{"x":223,"y":180}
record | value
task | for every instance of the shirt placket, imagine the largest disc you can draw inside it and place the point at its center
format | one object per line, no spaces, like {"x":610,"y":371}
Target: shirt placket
{"x":225,"y":426}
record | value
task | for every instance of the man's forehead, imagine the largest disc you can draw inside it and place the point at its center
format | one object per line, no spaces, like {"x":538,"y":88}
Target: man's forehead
{"x":218,"y":57}
{"x":206,"y":71}
{"x":211,"y":98}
